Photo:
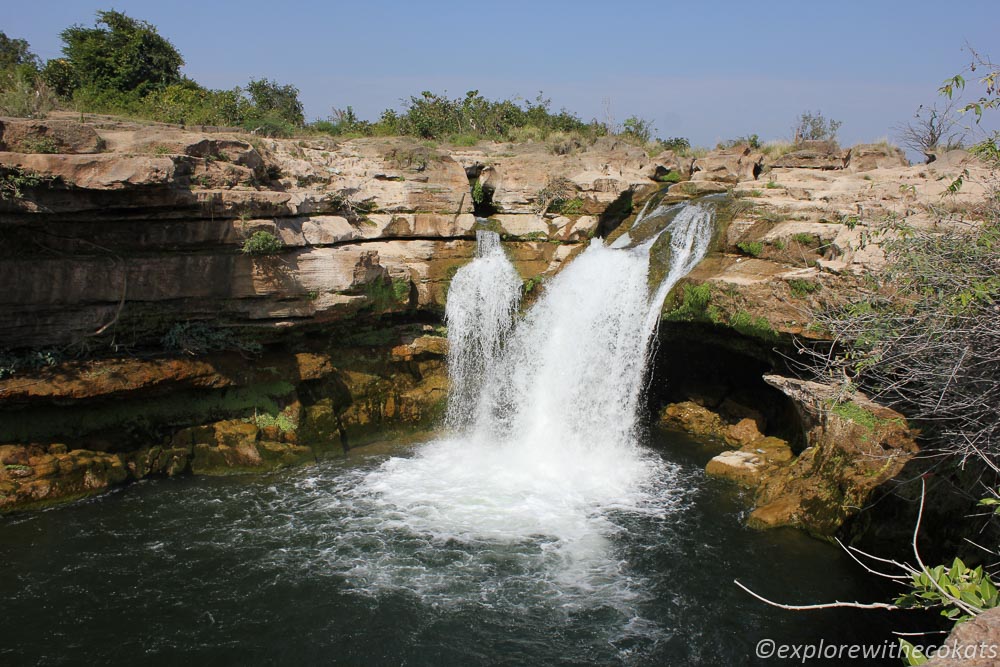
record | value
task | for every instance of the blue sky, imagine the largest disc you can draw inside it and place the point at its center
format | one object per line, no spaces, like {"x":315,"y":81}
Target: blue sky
{"x":707,"y":70}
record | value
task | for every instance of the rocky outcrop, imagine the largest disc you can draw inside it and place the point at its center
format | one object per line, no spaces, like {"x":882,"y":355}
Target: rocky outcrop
{"x":730,"y":165}
{"x":868,"y":157}
{"x":851,"y":447}
{"x":80,"y":428}
{"x":813,"y":155}
{"x":50,"y":136}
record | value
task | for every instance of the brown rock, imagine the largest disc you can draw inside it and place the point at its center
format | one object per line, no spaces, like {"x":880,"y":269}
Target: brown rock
{"x":743,"y":433}
{"x":730,"y":165}
{"x":782,"y":512}
{"x":742,"y":467}
{"x":48,"y":136}
{"x":867,"y":157}
{"x":972,"y":643}
{"x":693,"y":418}
{"x":773,"y":450}
{"x":814,"y":155}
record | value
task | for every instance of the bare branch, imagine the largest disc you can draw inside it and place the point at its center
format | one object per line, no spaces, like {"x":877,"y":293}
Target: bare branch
{"x":810,"y":607}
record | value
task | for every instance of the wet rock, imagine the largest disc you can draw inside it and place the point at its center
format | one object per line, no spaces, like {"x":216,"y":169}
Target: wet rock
{"x":693,"y":418}
{"x":743,"y":432}
{"x":743,"y":467}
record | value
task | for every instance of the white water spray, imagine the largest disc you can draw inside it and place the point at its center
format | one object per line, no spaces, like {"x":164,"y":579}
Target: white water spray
{"x":542,"y":462}
{"x":482,"y":300}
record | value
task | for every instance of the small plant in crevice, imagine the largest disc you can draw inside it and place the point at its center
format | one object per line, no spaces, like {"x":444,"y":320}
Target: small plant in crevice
{"x":13,"y":181}
{"x":199,"y":338}
{"x":751,"y":248}
{"x":531,"y":284}
{"x":669,"y":177}
{"x":282,"y":420}
{"x":801,"y":288}
{"x":755,"y":327}
{"x":44,"y":145}
{"x":13,"y":362}
{"x":572,"y":206}
{"x":262,"y":243}
{"x":696,"y":305}
{"x":482,"y":200}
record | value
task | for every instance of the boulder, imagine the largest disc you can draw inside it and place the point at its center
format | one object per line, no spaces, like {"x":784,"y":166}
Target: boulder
{"x":866,"y":157}
{"x":48,"y":136}
{"x":743,"y":432}
{"x":813,"y":155}
{"x":697,"y":188}
{"x":744,"y":468}
{"x":730,"y":165}
{"x":852,"y":448}
{"x":693,"y":418}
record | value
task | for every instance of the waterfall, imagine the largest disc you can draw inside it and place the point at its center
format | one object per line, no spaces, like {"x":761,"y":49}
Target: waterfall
{"x":541,"y":462}
{"x":570,"y":373}
{"x":482,"y":300}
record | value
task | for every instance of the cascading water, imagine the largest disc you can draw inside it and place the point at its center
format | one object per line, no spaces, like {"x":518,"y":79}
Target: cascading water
{"x":482,"y":300}
{"x":526,"y":493}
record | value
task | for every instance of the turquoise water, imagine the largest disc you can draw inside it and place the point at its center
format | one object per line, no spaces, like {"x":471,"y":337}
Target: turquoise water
{"x":312,"y":566}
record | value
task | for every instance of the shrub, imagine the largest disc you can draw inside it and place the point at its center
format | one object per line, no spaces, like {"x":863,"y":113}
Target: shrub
{"x":273,"y":100}
{"x":814,"y":126}
{"x":748,"y":325}
{"x":13,"y":362}
{"x":572,"y":206}
{"x":695,"y":304}
{"x":39,"y":145}
{"x":751,"y":140}
{"x":801,"y":288}
{"x":23,"y":94}
{"x":751,"y":248}
{"x":638,"y":129}
{"x":670,"y":177}
{"x":14,"y":179}
{"x":262,"y":243}
{"x":679,"y":145}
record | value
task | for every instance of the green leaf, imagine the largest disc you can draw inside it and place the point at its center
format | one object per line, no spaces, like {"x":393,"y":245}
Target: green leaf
{"x":910,"y":653}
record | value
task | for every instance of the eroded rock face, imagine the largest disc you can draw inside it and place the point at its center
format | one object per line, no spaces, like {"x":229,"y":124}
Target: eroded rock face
{"x":730,"y":165}
{"x":97,"y":424}
{"x":851,"y":448}
{"x":149,"y":232}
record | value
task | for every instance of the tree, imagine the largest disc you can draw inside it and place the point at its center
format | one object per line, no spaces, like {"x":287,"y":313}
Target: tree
{"x":121,"y":54}
{"x":22,"y":92}
{"x":814,"y":126}
{"x":14,"y":52}
{"x":930,"y":129}
{"x":274,"y":100}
